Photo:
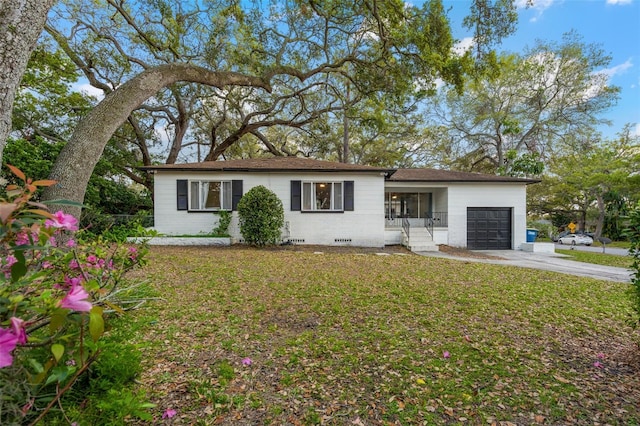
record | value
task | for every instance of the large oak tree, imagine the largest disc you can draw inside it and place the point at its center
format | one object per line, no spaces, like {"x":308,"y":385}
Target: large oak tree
{"x":285,"y":54}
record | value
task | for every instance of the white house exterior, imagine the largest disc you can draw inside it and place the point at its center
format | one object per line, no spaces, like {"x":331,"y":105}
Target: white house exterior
{"x":328,"y":203}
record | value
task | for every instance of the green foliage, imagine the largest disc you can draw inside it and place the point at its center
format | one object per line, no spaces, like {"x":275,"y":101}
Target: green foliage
{"x":46,"y":106}
{"x":526,"y":165}
{"x":261,"y":216}
{"x":115,"y":228}
{"x":105,"y":193}
{"x":121,"y":405}
{"x":633,"y":234}
{"x":222,"y":227}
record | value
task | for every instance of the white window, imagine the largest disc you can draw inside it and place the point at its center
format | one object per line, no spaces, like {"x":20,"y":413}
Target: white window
{"x":209,"y":195}
{"x":322,"y":196}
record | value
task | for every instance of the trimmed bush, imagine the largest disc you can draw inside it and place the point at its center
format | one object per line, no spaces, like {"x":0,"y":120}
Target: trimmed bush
{"x":261,"y":216}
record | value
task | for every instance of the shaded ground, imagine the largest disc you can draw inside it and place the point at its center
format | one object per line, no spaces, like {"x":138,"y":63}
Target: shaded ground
{"x":291,"y":336}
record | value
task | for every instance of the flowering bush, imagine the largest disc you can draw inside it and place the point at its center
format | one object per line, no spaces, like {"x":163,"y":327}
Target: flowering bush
{"x":633,"y":234}
{"x":55,"y":295}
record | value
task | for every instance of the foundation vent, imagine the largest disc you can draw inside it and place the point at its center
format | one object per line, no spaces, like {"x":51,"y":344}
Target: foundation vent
{"x":296,"y":240}
{"x":342,"y":240}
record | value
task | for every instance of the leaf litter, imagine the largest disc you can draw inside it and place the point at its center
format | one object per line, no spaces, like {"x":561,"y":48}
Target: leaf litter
{"x":348,"y":337}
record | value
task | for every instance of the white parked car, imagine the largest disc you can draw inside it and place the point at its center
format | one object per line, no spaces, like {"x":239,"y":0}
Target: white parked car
{"x":575,"y":239}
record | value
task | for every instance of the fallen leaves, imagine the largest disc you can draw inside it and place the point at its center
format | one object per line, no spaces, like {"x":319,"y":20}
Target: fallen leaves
{"x":347,"y":339}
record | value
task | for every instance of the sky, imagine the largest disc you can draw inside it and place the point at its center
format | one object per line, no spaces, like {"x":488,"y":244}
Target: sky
{"x":614,"y":25}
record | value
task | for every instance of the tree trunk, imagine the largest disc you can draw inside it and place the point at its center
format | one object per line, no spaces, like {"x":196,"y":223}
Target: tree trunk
{"x":21,"y":22}
{"x":76,"y":161}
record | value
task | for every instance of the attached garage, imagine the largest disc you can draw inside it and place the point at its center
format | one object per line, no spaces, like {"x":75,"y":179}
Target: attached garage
{"x":489,"y":228}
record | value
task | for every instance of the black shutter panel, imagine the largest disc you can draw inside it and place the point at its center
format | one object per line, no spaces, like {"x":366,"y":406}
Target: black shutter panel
{"x":348,"y":195}
{"x":236,"y":193}
{"x":183,"y":194}
{"x":296,"y":198}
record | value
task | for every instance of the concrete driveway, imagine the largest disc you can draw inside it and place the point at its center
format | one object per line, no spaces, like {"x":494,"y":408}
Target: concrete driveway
{"x":547,"y":262}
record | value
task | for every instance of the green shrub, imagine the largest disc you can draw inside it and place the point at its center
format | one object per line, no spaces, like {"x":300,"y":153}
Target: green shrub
{"x":224,"y":220}
{"x":633,"y":234}
{"x":261,"y":216}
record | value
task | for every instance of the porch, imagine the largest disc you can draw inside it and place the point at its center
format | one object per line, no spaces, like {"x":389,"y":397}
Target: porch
{"x":416,"y":217}
{"x":418,"y":234}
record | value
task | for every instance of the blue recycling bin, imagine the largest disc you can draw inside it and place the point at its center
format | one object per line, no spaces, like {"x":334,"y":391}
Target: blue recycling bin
{"x":532,"y":234}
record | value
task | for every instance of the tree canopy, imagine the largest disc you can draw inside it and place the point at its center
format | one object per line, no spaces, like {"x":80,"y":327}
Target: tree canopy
{"x":536,"y":104}
{"x":257,"y":66}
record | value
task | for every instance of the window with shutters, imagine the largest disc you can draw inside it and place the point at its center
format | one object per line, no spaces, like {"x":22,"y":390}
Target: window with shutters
{"x":210,"y":195}
{"x":322,"y":196}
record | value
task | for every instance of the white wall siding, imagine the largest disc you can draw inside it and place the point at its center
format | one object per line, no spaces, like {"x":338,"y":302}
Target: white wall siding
{"x":461,"y":196}
{"x":362,"y":227}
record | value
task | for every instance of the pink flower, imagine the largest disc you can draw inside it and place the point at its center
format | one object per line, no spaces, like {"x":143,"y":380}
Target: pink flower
{"x":73,"y":264}
{"x":446,"y":354}
{"x":71,"y":243}
{"x":598,"y":364}
{"x":76,"y":299}
{"x":17,"y":326}
{"x":92,"y":258}
{"x":168,"y":413}
{"x":22,"y":239}
{"x":8,"y":342}
{"x":11,"y":260}
{"x":246,"y":362}
{"x":62,"y":220}
{"x":601,"y":355}
{"x":70,"y":282}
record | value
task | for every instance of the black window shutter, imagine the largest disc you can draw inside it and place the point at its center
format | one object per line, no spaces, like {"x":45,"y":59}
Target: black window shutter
{"x":183,"y":194}
{"x":296,"y":198}
{"x":236,"y":193}
{"x":348,"y":195}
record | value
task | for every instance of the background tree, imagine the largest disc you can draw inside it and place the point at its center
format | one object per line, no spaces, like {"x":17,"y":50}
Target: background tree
{"x":536,"y":103}
{"x":602,"y":179}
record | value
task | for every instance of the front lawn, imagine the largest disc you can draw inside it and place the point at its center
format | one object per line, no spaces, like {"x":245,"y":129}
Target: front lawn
{"x":598,"y":258}
{"x":288,"y":336}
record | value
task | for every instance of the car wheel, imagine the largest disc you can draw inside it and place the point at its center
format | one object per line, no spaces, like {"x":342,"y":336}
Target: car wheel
{"x":587,"y":245}
{"x":560,"y":241}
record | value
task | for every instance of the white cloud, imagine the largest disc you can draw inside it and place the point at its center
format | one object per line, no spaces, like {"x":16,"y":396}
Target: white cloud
{"x":539,"y":6}
{"x":618,"y":69}
{"x":621,"y":2}
{"x":88,"y":89}
{"x":463,"y":46}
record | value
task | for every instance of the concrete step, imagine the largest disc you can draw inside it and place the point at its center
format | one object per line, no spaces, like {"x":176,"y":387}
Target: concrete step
{"x":427,"y":246}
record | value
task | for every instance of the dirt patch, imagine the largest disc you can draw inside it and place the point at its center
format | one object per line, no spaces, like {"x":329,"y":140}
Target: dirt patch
{"x":461,"y":252}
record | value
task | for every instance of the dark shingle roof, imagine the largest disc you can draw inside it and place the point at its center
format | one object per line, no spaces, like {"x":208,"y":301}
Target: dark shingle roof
{"x":435,"y":175}
{"x":270,"y":165}
{"x":300,"y":164}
